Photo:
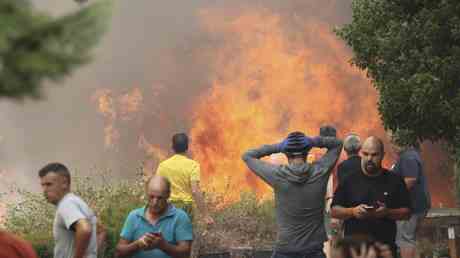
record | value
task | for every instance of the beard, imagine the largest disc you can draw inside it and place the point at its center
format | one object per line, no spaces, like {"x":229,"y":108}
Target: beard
{"x":371,"y":168}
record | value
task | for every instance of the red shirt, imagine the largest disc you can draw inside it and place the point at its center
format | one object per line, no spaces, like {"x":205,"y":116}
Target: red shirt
{"x":11,"y":246}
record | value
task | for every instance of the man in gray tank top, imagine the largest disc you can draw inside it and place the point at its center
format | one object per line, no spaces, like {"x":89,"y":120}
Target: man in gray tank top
{"x":74,"y":227}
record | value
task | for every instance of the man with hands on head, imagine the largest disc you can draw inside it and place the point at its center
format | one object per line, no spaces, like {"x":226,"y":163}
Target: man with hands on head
{"x":299,"y":189}
{"x":371,"y":200}
{"x":158,"y":230}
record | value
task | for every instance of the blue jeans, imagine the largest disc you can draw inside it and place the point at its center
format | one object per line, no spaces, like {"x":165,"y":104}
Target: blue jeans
{"x":314,"y":252}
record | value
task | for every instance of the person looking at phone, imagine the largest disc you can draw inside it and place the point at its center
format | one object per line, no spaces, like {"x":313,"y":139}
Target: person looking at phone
{"x":371,"y":200}
{"x":158,"y":230}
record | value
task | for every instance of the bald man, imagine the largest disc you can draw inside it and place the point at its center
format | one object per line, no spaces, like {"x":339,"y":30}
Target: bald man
{"x":157,"y":230}
{"x":371,"y":200}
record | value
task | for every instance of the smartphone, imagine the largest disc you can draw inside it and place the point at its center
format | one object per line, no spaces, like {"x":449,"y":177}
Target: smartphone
{"x":370,"y":208}
{"x":157,"y":233}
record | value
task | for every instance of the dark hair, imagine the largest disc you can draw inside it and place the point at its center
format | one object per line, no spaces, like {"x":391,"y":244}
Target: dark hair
{"x":57,"y":168}
{"x":180,"y":142}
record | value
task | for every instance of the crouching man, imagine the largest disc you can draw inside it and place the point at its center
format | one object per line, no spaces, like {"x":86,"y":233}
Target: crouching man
{"x":158,"y":230}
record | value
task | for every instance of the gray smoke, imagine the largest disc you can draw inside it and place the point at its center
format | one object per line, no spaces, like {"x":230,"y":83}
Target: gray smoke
{"x":150,"y":43}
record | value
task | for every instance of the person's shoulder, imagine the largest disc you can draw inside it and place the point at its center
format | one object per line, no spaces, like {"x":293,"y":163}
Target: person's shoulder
{"x":393,"y":177}
{"x":181,"y":214}
{"x":136,"y":212}
{"x":71,"y":198}
{"x":410,"y":153}
{"x":353,"y":177}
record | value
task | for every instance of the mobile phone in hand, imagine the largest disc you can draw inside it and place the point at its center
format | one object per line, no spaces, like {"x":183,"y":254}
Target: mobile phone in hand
{"x":370,"y":208}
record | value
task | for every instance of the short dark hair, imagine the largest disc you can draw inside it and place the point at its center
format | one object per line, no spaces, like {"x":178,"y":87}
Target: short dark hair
{"x":57,"y":168}
{"x":180,"y":142}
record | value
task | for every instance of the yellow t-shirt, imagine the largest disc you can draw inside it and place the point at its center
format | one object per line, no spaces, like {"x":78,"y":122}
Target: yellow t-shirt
{"x":181,"y":171}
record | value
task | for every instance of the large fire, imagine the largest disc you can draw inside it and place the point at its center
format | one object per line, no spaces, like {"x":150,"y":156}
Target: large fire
{"x":267,"y":79}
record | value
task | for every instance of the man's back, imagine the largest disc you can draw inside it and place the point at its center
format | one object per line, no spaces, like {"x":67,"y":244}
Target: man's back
{"x":181,"y":171}
{"x":299,"y":195}
{"x":300,"y":207}
{"x":410,"y":165}
{"x":348,"y":167}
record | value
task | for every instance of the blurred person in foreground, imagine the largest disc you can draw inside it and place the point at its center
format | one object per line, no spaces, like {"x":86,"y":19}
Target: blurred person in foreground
{"x":12,"y":246}
{"x":157,"y":230}
{"x":75,"y":224}
{"x":299,"y":189}
{"x":360,"y":246}
{"x":371,"y":200}
{"x":410,"y":167}
{"x":184,"y":174}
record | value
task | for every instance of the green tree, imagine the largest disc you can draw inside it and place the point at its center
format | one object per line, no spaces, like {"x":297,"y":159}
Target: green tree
{"x":410,"y":50}
{"x":35,"y":47}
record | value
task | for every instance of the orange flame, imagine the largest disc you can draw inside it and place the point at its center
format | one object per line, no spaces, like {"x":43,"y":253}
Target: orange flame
{"x":126,"y":106}
{"x":130,"y":103}
{"x":269,"y":76}
{"x":270,"y":81}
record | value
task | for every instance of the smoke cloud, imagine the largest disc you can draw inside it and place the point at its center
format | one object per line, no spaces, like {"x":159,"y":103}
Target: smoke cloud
{"x":159,"y":48}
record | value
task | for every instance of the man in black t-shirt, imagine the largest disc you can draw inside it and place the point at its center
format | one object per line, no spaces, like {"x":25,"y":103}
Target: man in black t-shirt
{"x":372,"y":199}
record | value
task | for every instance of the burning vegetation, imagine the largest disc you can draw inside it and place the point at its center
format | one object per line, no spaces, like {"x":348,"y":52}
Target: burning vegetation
{"x":268,"y":75}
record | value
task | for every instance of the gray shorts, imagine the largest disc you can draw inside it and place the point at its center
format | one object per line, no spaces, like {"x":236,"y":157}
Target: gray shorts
{"x":406,"y":235}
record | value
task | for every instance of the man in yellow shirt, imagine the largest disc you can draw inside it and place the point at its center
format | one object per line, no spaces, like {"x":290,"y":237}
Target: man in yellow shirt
{"x":184,"y":174}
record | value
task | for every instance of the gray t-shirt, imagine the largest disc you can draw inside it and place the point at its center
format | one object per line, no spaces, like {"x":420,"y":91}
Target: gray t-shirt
{"x":69,"y":210}
{"x":410,"y":165}
{"x":299,"y":194}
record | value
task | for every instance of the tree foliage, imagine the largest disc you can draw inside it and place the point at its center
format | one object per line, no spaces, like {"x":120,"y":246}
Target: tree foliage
{"x":411,"y":52}
{"x":35,"y":47}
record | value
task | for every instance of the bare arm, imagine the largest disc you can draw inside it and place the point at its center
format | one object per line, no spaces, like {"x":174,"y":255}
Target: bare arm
{"x":410,"y":182}
{"x":342,"y":213}
{"x":181,"y":250}
{"x":125,"y":248}
{"x":83,"y":232}
{"x":398,"y":214}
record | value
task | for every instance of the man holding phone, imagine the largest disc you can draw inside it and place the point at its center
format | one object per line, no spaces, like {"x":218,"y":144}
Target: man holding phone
{"x":371,"y":200}
{"x":158,"y":230}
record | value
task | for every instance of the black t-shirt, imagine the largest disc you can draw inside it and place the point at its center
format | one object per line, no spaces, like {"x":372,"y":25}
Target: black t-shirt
{"x":361,"y":189}
{"x":347,"y":167}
